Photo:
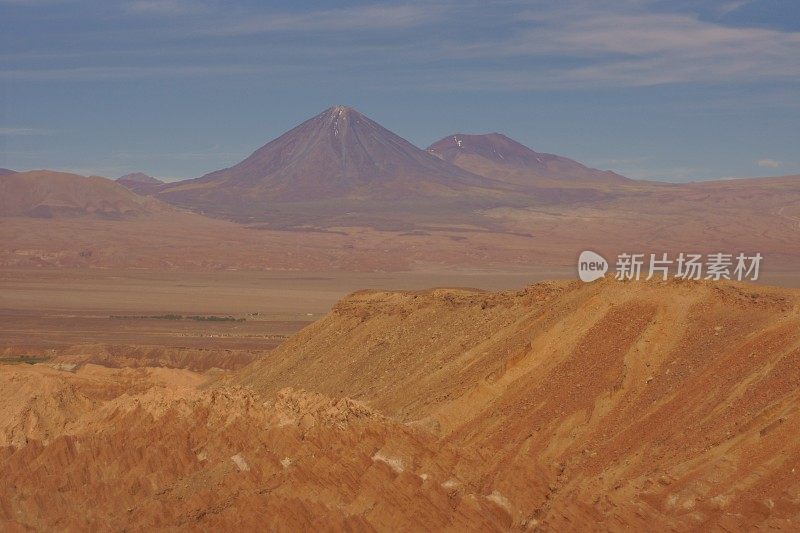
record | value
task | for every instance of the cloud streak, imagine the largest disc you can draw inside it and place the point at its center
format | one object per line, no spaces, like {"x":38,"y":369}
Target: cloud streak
{"x":113,"y":73}
{"x":566,"y":45}
{"x":362,"y":18}
{"x":164,"y":7}
{"x":768,"y":163}
{"x":627,"y":48}
{"x":23,"y":132}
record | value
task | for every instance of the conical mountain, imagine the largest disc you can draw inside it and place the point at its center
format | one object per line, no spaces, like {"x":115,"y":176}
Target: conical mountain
{"x":339,"y":155}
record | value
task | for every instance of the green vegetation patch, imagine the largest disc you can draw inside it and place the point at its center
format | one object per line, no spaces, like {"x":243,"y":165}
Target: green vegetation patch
{"x":202,"y":318}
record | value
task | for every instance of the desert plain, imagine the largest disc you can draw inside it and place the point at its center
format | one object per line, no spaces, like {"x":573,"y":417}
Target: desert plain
{"x":50,"y":311}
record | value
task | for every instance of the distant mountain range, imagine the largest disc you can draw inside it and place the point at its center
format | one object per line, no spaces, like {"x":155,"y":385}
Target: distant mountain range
{"x":48,"y":194}
{"x":369,"y":199}
{"x":341,"y":168}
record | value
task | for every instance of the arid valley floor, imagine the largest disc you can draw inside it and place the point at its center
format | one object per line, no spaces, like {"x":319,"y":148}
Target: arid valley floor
{"x":48,"y":312}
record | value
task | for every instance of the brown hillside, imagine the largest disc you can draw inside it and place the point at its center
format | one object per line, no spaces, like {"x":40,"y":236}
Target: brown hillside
{"x":145,"y":449}
{"x":629,"y":405}
{"x":48,"y":194}
{"x":98,"y":223}
{"x":140,"y":182}
{"x":563,"y":406}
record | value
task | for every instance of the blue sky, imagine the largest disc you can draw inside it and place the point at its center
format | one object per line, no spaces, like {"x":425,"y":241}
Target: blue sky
{"x":671,"y":90}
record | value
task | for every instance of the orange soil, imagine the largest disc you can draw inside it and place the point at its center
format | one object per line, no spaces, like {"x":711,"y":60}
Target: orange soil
{"x":563,"y":406}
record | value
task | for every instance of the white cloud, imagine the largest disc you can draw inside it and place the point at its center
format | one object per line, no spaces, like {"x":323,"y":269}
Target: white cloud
{"x":630,"y":47}
{"x":368,"y":17}
{"x":23,"y":132}
{"x":567,"y":44}
{"x":735,"y":5}
{"x":29,"y":3}
{"x":124,"y":73}
{"x":768,"y":163}
{"x":164,"y":7}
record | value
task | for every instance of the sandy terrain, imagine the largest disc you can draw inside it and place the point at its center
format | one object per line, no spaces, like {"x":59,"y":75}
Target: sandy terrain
{"x":562,"y":406}
{"x":47,"y":312}
{"x":195,"y":320}
{"x":58,"y":220}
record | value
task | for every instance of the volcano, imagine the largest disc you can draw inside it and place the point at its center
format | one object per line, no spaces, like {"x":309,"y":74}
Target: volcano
{"x":338,"y":163}
{"x":496,"y":156}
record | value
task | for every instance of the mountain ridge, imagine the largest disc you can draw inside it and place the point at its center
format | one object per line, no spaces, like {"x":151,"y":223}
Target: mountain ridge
{"x":500,"y":157}
{"x":139,"y":177}
{"x":640,"y":405}
{"x":140,"y":183}
{"x":50,"y":194}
